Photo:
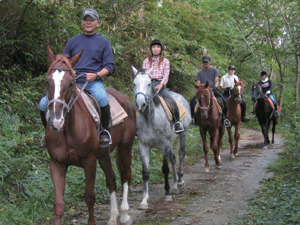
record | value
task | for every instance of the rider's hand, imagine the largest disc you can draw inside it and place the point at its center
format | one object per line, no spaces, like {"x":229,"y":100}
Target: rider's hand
{"x":160,"y":86}
{"x":90,"y":77}
{"x":228,"y":88}
{"x":268,"y":92}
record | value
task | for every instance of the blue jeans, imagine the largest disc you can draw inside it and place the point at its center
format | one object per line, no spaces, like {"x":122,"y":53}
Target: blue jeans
{"x":271,"y":96}
{"x":96,"y":89}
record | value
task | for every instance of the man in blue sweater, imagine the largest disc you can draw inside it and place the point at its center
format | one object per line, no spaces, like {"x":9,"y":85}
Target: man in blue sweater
{"x":96,"y":62}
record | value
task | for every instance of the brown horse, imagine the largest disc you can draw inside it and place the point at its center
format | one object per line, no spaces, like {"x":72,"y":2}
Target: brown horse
{"x":234,"y":115}
{"x":209,"y":119}
{"x":72,"y":139}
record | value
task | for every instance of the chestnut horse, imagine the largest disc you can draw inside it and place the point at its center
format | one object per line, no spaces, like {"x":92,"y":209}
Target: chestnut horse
{"x":209,"y":119}
{"x":264,"y":113}
{"x":72,"y":139}
{"x":234,"y":115}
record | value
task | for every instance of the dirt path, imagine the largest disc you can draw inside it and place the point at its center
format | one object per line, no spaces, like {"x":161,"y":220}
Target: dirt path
{"x":217,"y":197}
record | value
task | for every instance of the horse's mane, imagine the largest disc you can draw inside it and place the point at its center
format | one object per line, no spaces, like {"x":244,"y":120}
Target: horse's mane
{"x":64,"y":59}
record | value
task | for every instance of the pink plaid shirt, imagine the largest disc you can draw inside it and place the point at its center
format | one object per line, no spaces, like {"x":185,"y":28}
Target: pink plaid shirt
{"x":162,"y":73}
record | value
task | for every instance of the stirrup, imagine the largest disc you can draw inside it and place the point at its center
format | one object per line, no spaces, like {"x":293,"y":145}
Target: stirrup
{"x":178,"y":127}
{"x":226,"y":123}
{"x":253,"y":112}
{"x":103,"y":145}
{"x":276,"y":113}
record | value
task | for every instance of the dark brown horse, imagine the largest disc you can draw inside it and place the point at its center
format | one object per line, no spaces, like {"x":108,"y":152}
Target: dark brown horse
{"x":72,"y":139}
{"x":209,"y":119}
{"x":234,"y":115}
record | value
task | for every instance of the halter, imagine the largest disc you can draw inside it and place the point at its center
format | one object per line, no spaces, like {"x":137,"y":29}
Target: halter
{"x":210,"y":104}
{"x":71,"y":100}
{"x":236,"y":95}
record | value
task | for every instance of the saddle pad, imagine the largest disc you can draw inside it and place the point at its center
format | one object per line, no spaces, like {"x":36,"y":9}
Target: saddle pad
{"x":118,"y":114}
{"x":182,"y":112}
{"x":116,"y":110}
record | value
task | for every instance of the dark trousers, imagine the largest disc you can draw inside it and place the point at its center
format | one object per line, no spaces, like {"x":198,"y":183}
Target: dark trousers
{"x":164,"y":92}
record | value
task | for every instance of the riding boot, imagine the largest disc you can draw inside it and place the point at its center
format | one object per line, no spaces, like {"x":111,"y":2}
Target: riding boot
{"x":225,"y":121}
{"x":244,"y":117}
{"x":104,"y":137}
{"x":178,"y":125}
{"x":276,"y":112}
{"x":44,"y":121}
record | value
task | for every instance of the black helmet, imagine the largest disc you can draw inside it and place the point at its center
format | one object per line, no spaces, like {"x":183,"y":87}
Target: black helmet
{"x":231,"y":67}
{"x":263,"y":73}
{"x":156,"y":41}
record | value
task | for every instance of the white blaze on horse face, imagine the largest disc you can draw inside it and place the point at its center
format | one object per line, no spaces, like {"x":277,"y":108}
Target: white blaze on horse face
{"x":142,"y":89}
{"x":57,"y":77}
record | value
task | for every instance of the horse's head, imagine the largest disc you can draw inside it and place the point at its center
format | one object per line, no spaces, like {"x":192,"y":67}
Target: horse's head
{"x":142,"y":88}
{"x":256,"y":91}
{"x":60,"y":83}
{"x":237,"y":91}
{"x":204,"y":98}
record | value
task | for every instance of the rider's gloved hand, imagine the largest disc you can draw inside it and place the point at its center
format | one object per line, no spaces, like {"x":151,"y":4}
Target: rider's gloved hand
{"x":268,"y":92}
{"x":228,"y":88}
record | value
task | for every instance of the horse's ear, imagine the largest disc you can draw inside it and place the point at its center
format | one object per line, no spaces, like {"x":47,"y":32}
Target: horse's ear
{"x":235,"y":81}
{"x":244,"y":82}
{"x":75,"y":58}
{"x":135,"y":71}
{"x":50,"y":55}
{"x":206,"y":85}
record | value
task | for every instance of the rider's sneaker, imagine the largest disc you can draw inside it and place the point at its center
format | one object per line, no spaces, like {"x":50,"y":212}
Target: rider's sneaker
{"x":43,"y":144}
{"x":178,"y":127}
{"x":245,"y":119}
{"x":276,"y":113}
{"x":193,"y":123}
{"x":253,"y":112}
{"x":104,"y":139}
{"x":226,"y":123}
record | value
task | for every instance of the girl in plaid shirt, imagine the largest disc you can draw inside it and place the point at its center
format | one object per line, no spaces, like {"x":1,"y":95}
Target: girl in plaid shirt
{"x":160,"y":76}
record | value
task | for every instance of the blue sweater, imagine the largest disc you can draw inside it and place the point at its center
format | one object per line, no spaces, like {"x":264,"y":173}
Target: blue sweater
{"x":96,"y":55}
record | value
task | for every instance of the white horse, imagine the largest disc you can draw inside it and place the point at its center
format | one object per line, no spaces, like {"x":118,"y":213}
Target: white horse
{"x":154,"y":130}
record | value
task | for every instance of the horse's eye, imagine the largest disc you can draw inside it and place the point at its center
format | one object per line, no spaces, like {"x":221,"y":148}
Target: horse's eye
{"x":71,"y":84}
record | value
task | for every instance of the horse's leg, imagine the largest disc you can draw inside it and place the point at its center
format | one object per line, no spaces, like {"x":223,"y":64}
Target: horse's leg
{"x":262,"y":125}
{"x":106,"y":166}
{"x":58,"y":175}
{"x":236,"y":138}
{"x":230,"y":139}
{"x":183,"y":138}
{"x":273,"y":129}
{"x":267,"y":141}
{"x":124,"y":157}
{"x":144,"y":154}
{"x":172,"y":159}
{"x":220,"y":141}
{"x":205,"y":149}
{"x":215,"y":137}
{"x":167,"y":154}
{"x":89,"y":195}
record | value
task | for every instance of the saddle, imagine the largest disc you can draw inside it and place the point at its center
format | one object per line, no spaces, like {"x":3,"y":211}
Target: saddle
{"x":169,"y":109}
{"x":270,"y":102}
{"x":117,"y":112}
{"x":218,"y":102}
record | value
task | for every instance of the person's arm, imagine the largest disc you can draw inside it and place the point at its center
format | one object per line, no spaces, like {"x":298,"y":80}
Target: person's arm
{"x":222,"y":84}
{"x":217,"y":81}
{"x":166,"y":72}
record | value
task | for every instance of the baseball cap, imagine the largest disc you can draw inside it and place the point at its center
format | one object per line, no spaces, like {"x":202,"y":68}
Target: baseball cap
{"x":90,"y":12}
{"x":231,"y":67}
{"x":206,"y":58}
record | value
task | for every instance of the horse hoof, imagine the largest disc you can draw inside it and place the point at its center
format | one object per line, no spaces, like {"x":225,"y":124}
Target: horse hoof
{"x":206,"y":170}
{"x":232,"y":157}
{"x":168,"y":198}
{"x":265,"y":147}
{"x":236,"y":154}
{"x":218,"y":167}
{"x":175,"y":191}
{"x":181,"y":185}
{"x":112,"y":223}
{"x":128,"y":222}
{"x":143,"y":207}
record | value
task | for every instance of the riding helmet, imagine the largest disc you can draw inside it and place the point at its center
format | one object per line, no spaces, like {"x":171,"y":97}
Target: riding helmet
{"x":156,"y":41}
{"x":263,"y":73}
{"x":231,"y":67}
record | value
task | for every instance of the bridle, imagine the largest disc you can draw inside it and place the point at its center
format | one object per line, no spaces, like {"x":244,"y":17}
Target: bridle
{"x":236,"y":95}
{"x":146,"y":98}
{"x":210,"y":102}
{"x":71,"y":102}
{"x":258,"y":87}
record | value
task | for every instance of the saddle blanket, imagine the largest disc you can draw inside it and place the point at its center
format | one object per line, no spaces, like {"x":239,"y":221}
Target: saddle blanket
{"x":182,"y":112}
{"x":270,"y":102}
{"x":218,"y":106}
{"x":117,"y":112}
